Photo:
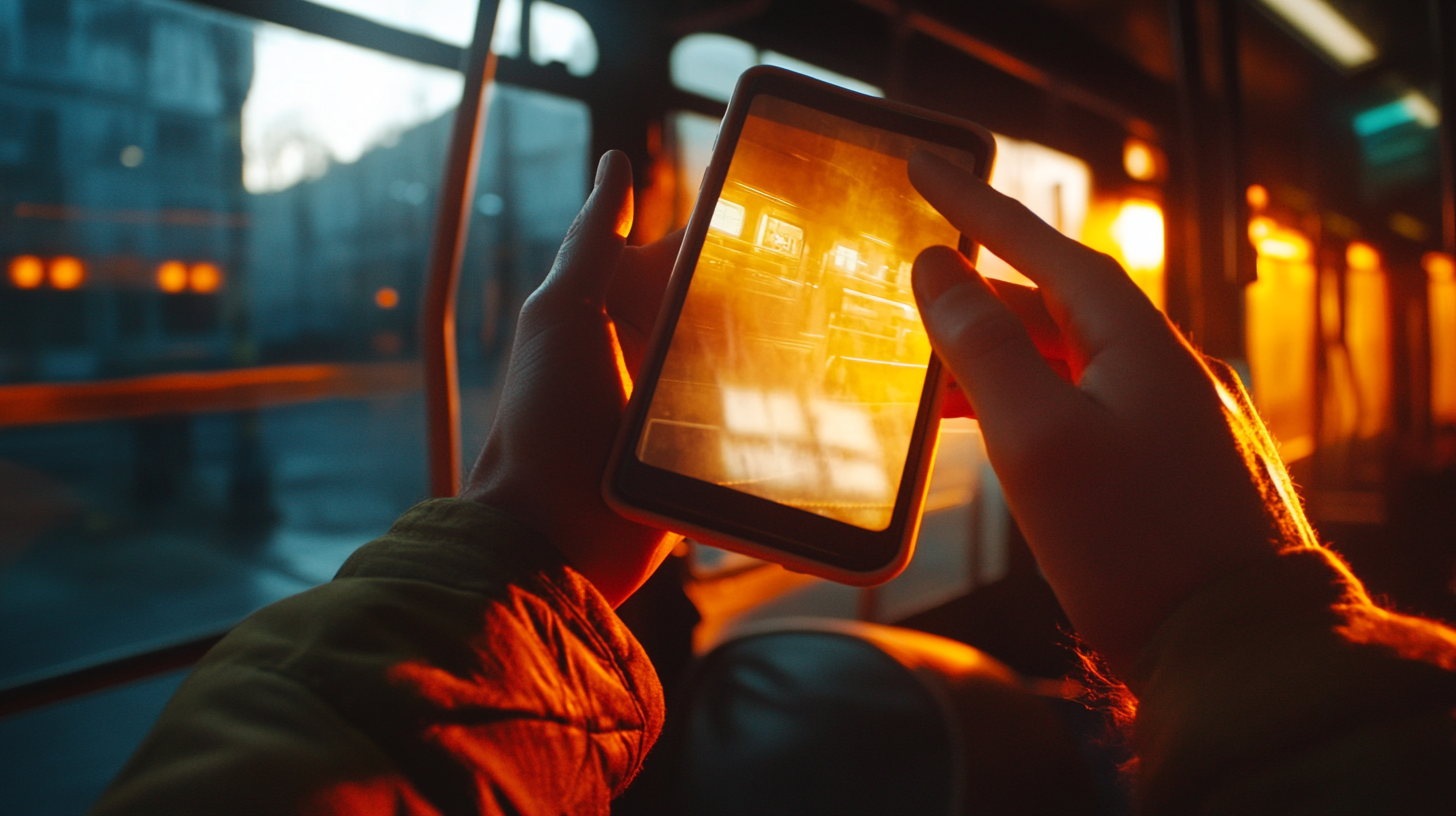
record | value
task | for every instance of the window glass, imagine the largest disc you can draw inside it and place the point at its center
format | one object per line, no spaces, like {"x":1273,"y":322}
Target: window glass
{"x":558,"y":34}
{"x":709,"y":65}
{"x":210,"y":391}
{"x":452,"y":21}
{"x":1280,"y":315}
{"x":534,"y":177}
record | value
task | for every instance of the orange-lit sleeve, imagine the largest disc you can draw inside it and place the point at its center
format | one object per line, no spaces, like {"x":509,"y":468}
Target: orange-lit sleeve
{"x":1284,"y":689}
{"x":455,"y":665}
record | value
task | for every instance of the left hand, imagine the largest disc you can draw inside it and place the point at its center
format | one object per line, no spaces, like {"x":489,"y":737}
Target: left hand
{"x":579,"y":342}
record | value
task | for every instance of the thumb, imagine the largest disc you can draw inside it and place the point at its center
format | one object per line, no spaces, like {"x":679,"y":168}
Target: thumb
{"x":593,"y":246}
{"x":981,"y":340}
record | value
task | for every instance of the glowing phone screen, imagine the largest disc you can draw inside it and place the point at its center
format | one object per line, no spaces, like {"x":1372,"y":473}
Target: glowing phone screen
{"x":797,"y":364}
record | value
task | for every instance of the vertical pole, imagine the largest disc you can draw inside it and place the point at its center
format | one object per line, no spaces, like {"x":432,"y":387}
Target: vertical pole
{"x":1187,"y":169}
{"x":452,"y":224}
{"x":1443,"y":25}
{"x":1238,"y":253}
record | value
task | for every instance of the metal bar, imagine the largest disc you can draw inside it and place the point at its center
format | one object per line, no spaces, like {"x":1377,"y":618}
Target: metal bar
{"x":60,"y":687}
{"x":340,"y":25}
{"x":1009,"y":63}
{"x":1238,"y":253}
{"x":447,"y":250}
{"x":1188,"y":54}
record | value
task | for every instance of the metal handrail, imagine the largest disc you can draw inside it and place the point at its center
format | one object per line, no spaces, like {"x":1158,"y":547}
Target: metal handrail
{"x":56,"y":688}
{"x":447,"y":250}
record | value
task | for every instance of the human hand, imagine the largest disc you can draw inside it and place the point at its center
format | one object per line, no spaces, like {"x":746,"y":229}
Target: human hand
{"x":1143,"y":479}
{"x":566,"y":388}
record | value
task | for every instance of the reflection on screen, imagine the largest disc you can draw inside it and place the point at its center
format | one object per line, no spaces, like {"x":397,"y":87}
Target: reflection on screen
{"x":796,"y":368}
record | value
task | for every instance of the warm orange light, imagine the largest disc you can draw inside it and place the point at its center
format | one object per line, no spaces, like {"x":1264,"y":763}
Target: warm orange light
{"x":1441,"y":303}
{"x":1138,"y":230}
{"x":205,"y":278}
{"x":1139,"y":160}
{"x":1258,"y":196}
{"x":1440,"y":266}
{"x":67,"y":272}
{"x":172,"y":277}
{"x":26,"y":271}
{"x":1279,"y":243}
{"x":1360,"y":255}
{"x":1279,"y":324}
{"x":386,"y":297}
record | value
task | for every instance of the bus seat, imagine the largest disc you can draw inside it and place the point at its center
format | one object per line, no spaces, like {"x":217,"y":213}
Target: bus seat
{"x":804,"y":716}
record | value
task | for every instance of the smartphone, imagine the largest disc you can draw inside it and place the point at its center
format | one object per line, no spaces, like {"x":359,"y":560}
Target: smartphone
{"x":789,"y":402}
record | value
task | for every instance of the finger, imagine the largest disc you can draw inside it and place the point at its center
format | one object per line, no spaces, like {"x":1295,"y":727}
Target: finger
{"x":594,"y":244}
{"x":635,"y":295}
{"x":1090,"y":293}
{"x":981,"y":341}
{"x":1027,"y":304}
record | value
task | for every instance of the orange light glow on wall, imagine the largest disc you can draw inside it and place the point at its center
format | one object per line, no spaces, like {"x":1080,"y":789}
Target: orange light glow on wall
{"x":172,"y":277}
{"x":1138,"y":230}
{"x":67,"y":272}
{"x":1362,"y":256}
{"x":1139,"y":160}
{"x":1271,"y":240}
{"x":204,"y":278}
{"x":1257,"y":196}
{"x":386,"y":297}
{"x":1280,"y":313}
{"x":1441,"y":297}
{"x":26,"y":271}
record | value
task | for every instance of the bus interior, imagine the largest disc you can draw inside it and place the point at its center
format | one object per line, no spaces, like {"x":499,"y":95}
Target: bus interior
{"x":263,"y":261}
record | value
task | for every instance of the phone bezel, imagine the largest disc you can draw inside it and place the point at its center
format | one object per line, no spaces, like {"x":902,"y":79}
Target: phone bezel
{"x":739,"y":521}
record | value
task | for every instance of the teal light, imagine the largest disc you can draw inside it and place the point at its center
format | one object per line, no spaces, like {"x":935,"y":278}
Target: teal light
{"x":1385,"y":117}
{"x":1413,"y":107}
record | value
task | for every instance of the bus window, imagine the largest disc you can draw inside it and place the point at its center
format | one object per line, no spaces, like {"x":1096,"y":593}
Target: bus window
{"x":1280,"y":335}
{"x":1441,"y":297}
{"x":1367,"y":338}
{"x":214,"y":248}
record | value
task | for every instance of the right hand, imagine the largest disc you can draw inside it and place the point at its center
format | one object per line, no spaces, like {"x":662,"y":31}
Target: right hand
{"x":1141,"y":481}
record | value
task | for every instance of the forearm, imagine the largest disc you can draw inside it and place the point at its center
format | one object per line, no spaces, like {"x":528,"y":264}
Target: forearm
{"x":455,"y":665}
{"x":1284,"y":683}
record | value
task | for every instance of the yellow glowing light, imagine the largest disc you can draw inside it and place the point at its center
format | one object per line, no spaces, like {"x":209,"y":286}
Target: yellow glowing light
{"x":1139,"y":160}
{"x":1360,"y":255}
{"x":67,"y":272}
{"x":386,"y":297}
{"x":205,"y":278}
{"x":1368,"y":339}
{"x":1440,"y":266}
{"x":1271,"y":240}
{"x":1441,"y":300}
{"x":26,"y":271}
{"x":1279,"y":324}
{"x":172,"y":277}
{"x":1138,"y":230}
{"x":1258,"y":196}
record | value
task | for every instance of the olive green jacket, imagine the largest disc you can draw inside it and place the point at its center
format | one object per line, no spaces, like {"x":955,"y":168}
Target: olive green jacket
{"x":457,"y":665}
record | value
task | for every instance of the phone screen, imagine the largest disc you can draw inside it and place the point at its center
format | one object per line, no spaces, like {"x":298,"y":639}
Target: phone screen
{"x":797,"y":364}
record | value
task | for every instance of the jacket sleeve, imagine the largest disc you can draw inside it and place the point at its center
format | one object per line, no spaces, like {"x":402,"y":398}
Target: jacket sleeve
{"x":1285,"y":689}
{"x":455,"y":665}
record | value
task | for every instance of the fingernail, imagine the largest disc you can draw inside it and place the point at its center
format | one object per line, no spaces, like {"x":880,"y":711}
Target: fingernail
{"x":602,"y":169}
{"x":936,"y":270}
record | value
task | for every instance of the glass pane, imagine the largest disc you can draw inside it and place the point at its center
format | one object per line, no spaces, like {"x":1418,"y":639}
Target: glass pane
{"x":709,"y":65}
{"x":215,"y":233}
{"x":452,"y":21}
{"x":534,"y":175}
